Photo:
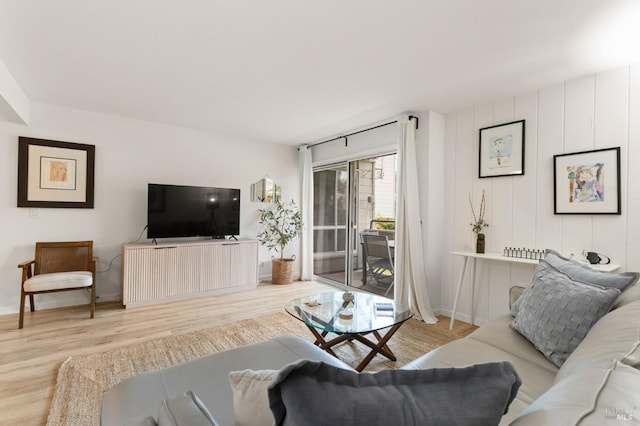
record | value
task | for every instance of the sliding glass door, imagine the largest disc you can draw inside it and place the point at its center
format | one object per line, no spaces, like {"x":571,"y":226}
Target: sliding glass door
{"x":349,"y":199}
{"x":330,"y":199}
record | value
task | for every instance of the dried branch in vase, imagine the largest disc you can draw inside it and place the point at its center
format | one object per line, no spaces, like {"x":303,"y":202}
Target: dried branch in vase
{"x":478,"y":223}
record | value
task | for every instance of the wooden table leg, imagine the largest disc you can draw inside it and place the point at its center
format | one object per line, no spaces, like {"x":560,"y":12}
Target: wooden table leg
{"x":379,"y":348}
{"x":385,"y":347}
{"x":321,"y":342}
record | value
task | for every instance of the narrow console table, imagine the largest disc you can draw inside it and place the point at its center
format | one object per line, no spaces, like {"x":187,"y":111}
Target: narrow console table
{"x":499,"y":258}
{"x":156,"y":273}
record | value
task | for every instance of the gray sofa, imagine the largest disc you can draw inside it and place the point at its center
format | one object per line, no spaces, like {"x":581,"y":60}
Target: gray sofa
{"x":598,"y":384}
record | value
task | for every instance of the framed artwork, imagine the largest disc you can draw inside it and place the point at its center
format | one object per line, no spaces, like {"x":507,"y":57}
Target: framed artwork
{"x":502,"y":150}
{"x":587,"y":182}
{"x":55,"y":174}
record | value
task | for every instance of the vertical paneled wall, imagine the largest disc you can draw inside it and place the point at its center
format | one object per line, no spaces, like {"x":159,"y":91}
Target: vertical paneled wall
{"x":597,"y":111}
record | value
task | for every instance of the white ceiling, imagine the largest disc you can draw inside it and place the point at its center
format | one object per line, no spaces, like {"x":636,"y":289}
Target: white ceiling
{"x":296,"y":71}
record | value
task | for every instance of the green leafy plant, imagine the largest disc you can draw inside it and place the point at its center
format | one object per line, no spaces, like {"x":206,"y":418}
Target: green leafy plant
{"x":388,"y":223}
{"x":281,"y":223}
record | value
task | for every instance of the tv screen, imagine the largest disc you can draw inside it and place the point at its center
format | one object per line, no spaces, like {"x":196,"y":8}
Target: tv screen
{"x":192,"y":211}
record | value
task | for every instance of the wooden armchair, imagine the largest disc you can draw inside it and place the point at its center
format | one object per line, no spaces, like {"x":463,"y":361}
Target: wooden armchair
{"x":59,"y":266}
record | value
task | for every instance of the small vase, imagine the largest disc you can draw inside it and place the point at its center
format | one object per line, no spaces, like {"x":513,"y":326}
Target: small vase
{"x":480,"y":243}
{"x":348,"y":297}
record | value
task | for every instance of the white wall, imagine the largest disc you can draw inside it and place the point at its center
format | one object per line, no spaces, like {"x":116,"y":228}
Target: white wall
{"x":14,"y":104}
{"x":129,"y":154}
{"x":593,"y":112}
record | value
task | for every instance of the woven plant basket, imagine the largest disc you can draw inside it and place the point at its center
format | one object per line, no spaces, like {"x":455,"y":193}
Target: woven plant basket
{"x":282,"y":270}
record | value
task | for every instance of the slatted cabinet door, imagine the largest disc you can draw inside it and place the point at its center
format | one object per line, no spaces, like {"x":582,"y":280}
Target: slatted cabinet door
{"x":155,"y":273}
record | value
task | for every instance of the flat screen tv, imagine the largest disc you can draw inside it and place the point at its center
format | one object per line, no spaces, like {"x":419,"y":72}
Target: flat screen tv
{"x":192,"y":211}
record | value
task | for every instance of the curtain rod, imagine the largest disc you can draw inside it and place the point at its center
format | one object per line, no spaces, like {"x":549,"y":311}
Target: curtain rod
{"x":411,"y":117}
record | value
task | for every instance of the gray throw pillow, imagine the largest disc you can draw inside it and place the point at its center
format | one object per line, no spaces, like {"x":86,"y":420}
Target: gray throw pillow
{"x":576,"y":271}
{"x":555,"y":312}
{"x":583,"y":273}
{"x":314,"y":393}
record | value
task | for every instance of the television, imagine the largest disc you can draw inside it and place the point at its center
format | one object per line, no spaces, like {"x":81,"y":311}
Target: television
{"x":192,"y":211}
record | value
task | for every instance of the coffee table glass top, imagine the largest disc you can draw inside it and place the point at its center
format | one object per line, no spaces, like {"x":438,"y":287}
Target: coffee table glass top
{"x":323,"y":311}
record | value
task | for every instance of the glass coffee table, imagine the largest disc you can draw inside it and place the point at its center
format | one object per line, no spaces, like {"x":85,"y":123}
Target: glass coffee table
{"x":352,"y":316}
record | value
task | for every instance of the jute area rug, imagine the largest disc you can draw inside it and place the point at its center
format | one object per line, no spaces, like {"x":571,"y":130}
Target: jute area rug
{"x":82,"y":380}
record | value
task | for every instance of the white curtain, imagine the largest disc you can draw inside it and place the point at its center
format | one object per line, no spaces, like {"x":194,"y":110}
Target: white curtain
{"x":306,"y":209}
{"x":410,"y":274}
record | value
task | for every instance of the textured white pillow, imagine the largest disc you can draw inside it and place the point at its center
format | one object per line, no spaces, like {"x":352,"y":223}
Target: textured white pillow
{"x":250,"y":397}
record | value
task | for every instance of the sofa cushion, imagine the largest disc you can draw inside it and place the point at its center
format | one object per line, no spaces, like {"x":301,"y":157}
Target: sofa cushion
{"x":590,"y":398}
{"x":630,"y":295}
{"x":514,"y":294}
{"x":207,"y":377}
{"x":250,"y":396}
{"x":184,"y":409}
{"x":140,"y":421}
{"x":498,"y":334}
{"x":313,"y":393}
{"x":615,"y":337}
{"x":556,"y":312}
{"x":536,"y":380}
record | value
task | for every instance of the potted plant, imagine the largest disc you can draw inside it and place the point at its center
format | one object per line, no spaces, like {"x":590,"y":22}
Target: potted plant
{"x":281,"y":223}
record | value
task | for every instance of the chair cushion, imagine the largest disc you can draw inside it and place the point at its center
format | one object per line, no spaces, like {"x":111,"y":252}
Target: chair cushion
{"x":474,"y":395}
{"x":59,"y":280}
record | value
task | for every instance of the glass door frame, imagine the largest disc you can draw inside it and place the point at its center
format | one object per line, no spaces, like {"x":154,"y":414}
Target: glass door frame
{"x":351,"y":237}
{"x":336,"y":227}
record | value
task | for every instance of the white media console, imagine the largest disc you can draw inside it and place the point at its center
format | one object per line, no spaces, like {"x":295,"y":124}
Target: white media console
{"x":156,"y":273}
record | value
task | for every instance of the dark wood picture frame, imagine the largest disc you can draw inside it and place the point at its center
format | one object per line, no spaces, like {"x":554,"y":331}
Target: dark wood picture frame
{"x":54,"y":174}
{"x":508,"y":160}
{"x":587,"y":182}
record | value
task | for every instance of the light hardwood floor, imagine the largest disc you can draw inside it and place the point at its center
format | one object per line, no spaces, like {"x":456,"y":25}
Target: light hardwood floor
{"x":30,"y":358}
